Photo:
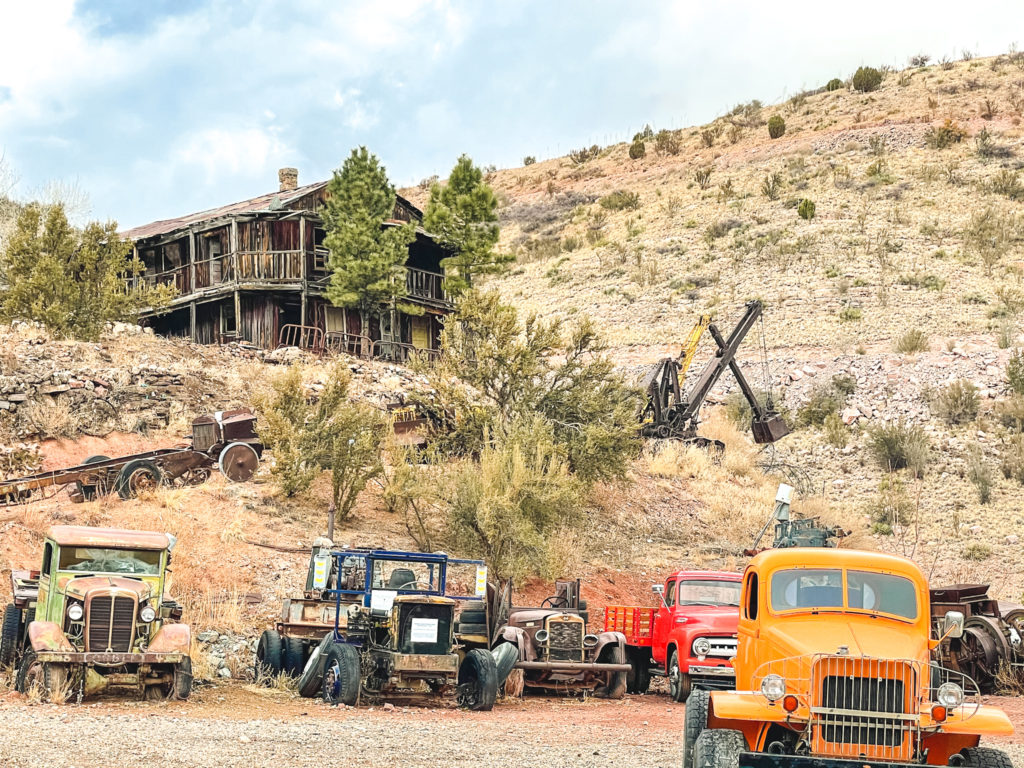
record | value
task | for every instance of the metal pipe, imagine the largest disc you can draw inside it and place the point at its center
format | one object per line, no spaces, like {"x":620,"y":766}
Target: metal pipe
{"x":572,"y":666}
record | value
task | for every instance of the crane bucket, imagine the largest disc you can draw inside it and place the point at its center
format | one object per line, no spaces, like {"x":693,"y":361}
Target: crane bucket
{"x":769,"y":428}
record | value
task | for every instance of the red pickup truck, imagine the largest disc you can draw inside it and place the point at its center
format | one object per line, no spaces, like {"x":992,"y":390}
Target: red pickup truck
{"x":691,"y":638}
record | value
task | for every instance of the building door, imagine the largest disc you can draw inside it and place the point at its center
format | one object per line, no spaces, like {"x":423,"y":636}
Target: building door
{"x":421,"y":332}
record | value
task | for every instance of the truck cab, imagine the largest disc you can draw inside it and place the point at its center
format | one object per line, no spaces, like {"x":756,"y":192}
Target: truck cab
{"x":95,"y":615}
{"x":833,"y":666}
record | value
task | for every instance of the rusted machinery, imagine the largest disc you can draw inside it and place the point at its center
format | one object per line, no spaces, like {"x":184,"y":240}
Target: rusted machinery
{"x":993,"y":641}
{"x":225,"y":440}
{"x":669,"y":413}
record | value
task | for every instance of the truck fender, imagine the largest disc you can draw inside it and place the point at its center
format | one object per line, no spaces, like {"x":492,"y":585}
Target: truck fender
{"x":48,"y":636}
{"x":172,"y":638}
{"x":610,"y":638}
{"x":521,"y":640}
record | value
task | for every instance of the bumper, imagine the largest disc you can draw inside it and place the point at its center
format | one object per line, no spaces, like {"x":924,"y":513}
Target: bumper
{"x":703,"y":670}
{"x":766,"y":760}
{"x":571,"y":666}
{"x":109,"y":659}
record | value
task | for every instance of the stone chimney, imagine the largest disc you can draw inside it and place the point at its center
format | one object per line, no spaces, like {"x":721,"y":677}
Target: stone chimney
{"x":289,"y":178}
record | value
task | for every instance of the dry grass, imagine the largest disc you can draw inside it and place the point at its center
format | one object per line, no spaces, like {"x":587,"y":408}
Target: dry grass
{"x":51,"y":417}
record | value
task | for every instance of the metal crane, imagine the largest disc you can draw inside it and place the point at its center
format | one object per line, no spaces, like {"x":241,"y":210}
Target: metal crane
{"x":671,"y":414}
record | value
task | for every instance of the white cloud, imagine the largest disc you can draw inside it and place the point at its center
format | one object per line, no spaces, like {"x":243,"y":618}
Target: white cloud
{"x":221,"y":152}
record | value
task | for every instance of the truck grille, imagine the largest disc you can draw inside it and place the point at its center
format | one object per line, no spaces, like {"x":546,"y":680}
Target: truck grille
{"x":723,"y":647}
{"x":864,"y":707}
{"x":565,"y":640}
{"x":111,"y":623}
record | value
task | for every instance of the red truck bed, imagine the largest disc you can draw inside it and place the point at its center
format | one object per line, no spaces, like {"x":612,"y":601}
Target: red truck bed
{"x":635,"y":623}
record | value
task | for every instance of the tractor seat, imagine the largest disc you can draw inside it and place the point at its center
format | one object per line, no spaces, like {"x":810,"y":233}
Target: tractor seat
{"x":400,"y":577}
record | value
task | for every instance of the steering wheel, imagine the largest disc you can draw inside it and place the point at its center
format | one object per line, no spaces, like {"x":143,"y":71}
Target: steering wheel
{"x":413,"y":585}
{"x":550,"y":602}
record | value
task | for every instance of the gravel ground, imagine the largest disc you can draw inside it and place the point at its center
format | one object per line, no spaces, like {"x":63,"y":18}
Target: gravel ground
{"x":232,"y":725}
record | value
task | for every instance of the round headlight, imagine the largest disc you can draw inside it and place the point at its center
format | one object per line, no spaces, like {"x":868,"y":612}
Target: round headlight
{"x":950,"y":695}
{"x":541,"y":636}
{"x":147,"y":613}
{"x":589,"y":641}
{"x":773,"y":687}
{"x":701,"y":646}
{"x":76,"y":612}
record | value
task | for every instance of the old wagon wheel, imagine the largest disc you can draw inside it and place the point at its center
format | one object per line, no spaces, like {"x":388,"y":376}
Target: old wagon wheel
{"x":137,"y":476}
{"x":1015,"y":621}
{"x":194,"y":476}
{"x":238,"y":462}
{"x":977,"y":657}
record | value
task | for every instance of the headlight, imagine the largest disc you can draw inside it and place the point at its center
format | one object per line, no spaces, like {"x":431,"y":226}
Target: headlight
{"x":541,"y":636}
{"x":147,"y":614}
{"x":950,"y":695}
{"x":589,"y":641}
{"x":701,"y":646}
{"x":76,"y":612}
{"x":773,"y":687}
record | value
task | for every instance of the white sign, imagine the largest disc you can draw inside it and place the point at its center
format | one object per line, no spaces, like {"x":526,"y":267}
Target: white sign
{"x":382,"y":600}
{"x":481,"y":581}
{"x":423,"y":631}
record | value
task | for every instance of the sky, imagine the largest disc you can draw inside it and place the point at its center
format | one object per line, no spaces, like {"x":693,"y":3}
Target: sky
{"x":158,"y":108}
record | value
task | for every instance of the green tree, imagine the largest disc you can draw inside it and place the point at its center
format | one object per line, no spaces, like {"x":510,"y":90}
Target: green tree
{"x":366,"y":258}
{"x":497,"y":371}
{"x":463,"y":215}
{"x":73,"y":281}
{"x":331,"y":433}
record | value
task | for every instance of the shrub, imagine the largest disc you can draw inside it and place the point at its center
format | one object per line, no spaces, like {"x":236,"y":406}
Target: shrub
{"x":867,"y":79}
{"x":1015,"y":371}
{"x":824,"y":401}
{"x":806,"y":209}
{"x":912,"y":342}
{"x":945,"y":135}
{"x":771,"y":185}
{"x":708,"y":136}
{"x":920,"y":60}
{"x":956,"y":403}
{"x":1013,"y":459}
{"x":977,"y":551}
{"x":899,"y":445}
{"x":333,"y":434}
{"x":849,"y":314}
{"x":637,"y":150}
{"x":1010,"y":412}
{"x":1007,"y":183}
{"x":571,"y":243}
{"x":529,"y":160}
{"x":580,"y":156}
{"x":834,"y":84}
{"x":738,"y":410}
{"x":980,"y":475}
{"x":646,"y":134}
{"x":836,"y":433}
{"x":776,"y":126}
{"x":620,"y":200}
{"x":891,"y":507}
{"x":988,"y":109}
{"x":703,"y":177}
{"x":667,"y":143}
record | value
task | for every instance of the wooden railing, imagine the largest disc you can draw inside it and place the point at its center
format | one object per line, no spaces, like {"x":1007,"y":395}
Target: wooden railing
{"x":429,"y":286}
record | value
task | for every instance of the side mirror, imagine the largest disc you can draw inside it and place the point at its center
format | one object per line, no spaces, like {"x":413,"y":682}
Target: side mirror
{"x":658,"y":589}
{"x":953,"y":624}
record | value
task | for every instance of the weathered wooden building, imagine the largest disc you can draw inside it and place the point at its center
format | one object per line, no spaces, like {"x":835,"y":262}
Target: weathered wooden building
{"x":256,"y":271}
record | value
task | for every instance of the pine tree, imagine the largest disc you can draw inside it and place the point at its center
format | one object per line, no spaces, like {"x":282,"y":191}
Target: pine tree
{"x":366,"y":258}
{"x":462,"y":214}
{"x":71,"y":281}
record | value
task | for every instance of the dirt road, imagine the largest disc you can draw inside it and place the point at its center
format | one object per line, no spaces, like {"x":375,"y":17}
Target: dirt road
{"x":231,"y":725}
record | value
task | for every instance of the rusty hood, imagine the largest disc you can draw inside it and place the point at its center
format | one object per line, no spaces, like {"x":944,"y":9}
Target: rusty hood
{"x":100,"y":584}
{"x":865,"y":636}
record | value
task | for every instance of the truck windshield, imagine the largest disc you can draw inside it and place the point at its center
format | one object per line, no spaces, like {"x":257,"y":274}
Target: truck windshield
{"x":95,"y":560}
{"x":808,"y":588}
{"x":709,"y":592}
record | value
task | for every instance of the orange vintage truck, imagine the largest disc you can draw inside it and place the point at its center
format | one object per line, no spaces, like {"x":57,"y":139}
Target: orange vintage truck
{"x":834,"y":670}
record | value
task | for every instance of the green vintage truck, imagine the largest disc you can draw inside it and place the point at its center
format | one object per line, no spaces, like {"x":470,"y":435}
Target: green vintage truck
{"x":95,"y":616}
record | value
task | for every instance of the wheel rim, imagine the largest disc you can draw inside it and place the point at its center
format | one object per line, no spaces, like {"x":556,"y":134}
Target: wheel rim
{"x":331,"y":686}
{"x":673,"y":676}
{"x":141,"y":479}
{"x":34,"y":677}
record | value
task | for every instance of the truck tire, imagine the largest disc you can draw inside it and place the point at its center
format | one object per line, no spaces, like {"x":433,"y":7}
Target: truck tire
{"x":472,"y":629}
{"x":719,"y":748}
{"x":294,"y":656}
{"x":181,"y":684}
{"x":10,"y":631}
{"x":312,"y":673}
{"x":506,"y":656}
{"x":986,"y":757}
{"x":478,"y":681}
{"x":341,"y":675}
{"x":695,"y":720}
{"x":679,"y":684}
{"x":615,"y":682}
{"x":48,"y":678}
{"x":269,"y":655}
{"x":473,"y":616}
{"x":137,"y":475}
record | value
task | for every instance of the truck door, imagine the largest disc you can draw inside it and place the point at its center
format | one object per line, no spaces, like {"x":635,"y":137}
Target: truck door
{"x":749,"y":622}
{"x":663,"y":621}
